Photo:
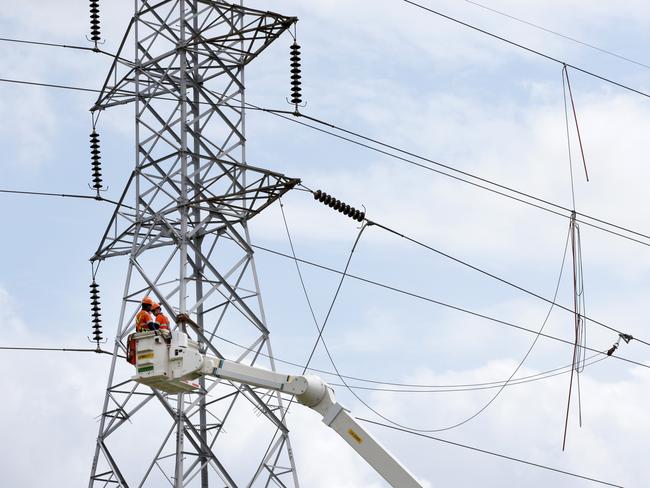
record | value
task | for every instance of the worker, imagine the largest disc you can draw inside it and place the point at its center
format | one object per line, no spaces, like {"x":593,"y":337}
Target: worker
{"x":161,"y":319}
{"x":144,"y":320}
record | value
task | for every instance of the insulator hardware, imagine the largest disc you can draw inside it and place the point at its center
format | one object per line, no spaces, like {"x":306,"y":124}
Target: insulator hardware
{"x":296,"y":83}
{"x":95,"y":308}
{"x":95,"y":34}
{"x":342,"y":207}
{"x":612,"y":349}
{"x":95,"y":156}
{"x":626,"y":337}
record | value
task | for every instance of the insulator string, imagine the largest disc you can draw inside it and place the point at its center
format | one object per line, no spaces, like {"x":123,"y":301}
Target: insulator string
{"x":340,"y":206}
{"x":95,"y":29}
{"x":95,"y":307}
{"x":96,"y":164}
{"x":296,"y":76}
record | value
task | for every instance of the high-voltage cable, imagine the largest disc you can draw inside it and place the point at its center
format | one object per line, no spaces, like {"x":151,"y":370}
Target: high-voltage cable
{"x":550,"y":58}
{"x":338,"y":205}
{"x":64,"y":195}
{"x":336,"y":294}
{"x":424,"y":388}
{"x":515,"y":382}
{"x":485,"y":406}
{"x":58,"y":349}
{"x":51,"y":44}
{"x":528,"y":49}
{"x":279,"y":113}
{"x":558,"y":34}
{"x":498,"y":278}
{"x":50,"y":85}
{"x":539,"y":205}
{"x":442,"y":304}
{"x":491,"y":453}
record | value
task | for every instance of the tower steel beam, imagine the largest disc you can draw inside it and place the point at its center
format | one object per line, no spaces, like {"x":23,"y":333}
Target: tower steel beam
{"x":182,"y":221}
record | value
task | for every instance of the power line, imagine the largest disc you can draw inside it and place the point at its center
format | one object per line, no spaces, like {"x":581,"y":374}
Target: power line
{"x":484,"y":407}
{"x":525,"y":48}
{"x":539,"y":377}
{"x":491,"y":453}
{"x":320,"y":329}
{"x":498,"y":278}
{"x":422,"y":388}
{"x":59,"y":349}
{"x":62,"y":195}
{"x":425,"y":388}
{"x":52,"y":44}
{"x":49,"y":85}
{"x":541,"y":202}
{"x":280,"y":113}
{"x":300,"y":277}
{"x":441,"y":303}
{"x":558,"y":34}
{"x":94,"y":49}
{"x":331,"y":307}
{"x":448,"y":17}
{"x":364,"y":402}
{"x":521,"y":363}
{"x":350,"y":387}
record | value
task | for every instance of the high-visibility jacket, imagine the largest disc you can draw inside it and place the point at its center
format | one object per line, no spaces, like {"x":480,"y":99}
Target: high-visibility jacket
{"x":142,"y":320}
{"x":162,"y":321}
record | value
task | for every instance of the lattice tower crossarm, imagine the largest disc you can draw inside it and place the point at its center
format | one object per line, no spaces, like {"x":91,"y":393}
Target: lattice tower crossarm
{"x":182,"y":222}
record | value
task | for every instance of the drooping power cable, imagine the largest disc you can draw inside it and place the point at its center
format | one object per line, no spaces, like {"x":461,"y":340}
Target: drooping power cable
{"x":441,"y":303}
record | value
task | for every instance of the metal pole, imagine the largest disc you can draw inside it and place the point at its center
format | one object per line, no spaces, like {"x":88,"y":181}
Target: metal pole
{"x":182,"y":293}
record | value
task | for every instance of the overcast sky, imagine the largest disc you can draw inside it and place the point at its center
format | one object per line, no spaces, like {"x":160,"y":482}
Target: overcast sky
{"x":414,"y":80}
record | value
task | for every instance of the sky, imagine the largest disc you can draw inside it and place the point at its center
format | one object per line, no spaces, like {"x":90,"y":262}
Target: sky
{"x":416,"y":81}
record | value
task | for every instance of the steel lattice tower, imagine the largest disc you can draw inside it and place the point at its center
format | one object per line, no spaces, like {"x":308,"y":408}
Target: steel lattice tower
{"x":182,"y":223}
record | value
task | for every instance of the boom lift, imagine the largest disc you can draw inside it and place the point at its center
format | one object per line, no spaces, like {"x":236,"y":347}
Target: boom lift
{"x":171,"y":364}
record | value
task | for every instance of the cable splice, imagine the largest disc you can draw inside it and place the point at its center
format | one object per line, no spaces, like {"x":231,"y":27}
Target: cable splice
{"x":342,"y":207}
{"x":296,"y":82}
{"x":95,"y":307}
{"x":95,"y":31}
{"x":95,"y":156}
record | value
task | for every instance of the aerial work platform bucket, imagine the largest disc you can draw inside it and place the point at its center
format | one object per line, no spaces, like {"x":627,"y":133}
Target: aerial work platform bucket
{"x":159,"y":358}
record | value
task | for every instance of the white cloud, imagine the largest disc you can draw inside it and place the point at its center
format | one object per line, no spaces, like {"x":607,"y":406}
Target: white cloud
{"x":53,"y":399}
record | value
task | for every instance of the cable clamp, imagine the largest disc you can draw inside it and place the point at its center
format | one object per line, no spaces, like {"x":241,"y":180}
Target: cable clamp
{"x":626,"y":337}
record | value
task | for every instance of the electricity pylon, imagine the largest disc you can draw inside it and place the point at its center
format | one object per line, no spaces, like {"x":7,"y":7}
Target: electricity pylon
{"x":182,"y":223}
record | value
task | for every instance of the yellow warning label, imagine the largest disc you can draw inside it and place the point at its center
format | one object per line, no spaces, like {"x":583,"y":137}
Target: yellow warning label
{"x":355,"y":436}
{"x":148,"y":355}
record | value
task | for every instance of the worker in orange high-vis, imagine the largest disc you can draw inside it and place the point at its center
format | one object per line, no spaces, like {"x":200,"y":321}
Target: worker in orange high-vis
{"x":161,"y":319}
{"x":144,"y":320}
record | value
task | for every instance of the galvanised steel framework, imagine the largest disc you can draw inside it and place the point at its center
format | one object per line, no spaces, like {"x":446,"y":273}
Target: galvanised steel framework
{"x":182,"y":224}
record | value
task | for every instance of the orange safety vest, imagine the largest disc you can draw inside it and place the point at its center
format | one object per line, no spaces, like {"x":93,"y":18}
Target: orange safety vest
{"x":141,"y":320}
{"x":162,"y":321}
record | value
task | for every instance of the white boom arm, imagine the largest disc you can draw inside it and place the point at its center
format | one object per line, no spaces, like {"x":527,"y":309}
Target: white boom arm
{"x":172,"y":367}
